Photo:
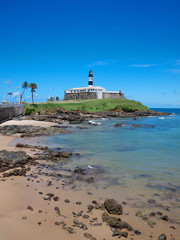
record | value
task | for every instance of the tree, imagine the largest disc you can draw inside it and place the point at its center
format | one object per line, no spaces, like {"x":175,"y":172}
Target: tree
{"x":33,"y":86}
{"x":51,"y":99}
{"x":57,"y":98}
{"x":24,"y":87}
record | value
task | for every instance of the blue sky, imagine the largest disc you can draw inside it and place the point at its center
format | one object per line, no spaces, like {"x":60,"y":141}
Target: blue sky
{"x":131,"y":45}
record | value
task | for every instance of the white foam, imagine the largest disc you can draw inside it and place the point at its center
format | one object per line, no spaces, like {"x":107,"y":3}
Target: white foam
{"x":89,"y":166}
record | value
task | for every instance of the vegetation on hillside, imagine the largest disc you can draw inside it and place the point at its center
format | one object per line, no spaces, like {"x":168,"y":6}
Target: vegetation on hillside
{"x":96,"y":105}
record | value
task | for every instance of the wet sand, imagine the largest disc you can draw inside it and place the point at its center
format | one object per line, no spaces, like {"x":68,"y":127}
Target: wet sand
{"x":18,"y":222}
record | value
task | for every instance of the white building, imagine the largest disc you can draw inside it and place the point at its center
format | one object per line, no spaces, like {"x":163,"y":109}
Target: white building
{"x":90,"y":92}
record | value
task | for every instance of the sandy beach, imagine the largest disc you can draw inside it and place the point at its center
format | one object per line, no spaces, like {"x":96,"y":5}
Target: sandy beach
{"x":39,"y":206}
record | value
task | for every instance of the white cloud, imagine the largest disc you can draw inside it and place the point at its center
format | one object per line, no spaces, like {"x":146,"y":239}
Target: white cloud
{"x":28,"y":97}
{"x":102,"y":63}
{"x":175,"y":70}
{"x":142,"y":65}
{"x":36,"y":96}
{"x":16,"y":94}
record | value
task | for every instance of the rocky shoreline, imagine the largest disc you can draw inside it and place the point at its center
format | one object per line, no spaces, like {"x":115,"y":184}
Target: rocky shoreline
{"x":75,"y":117}
{"x":19,"y":164}
{"x":107,"y":219}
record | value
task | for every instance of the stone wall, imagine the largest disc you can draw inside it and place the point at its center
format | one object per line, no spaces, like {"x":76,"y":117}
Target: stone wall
{"x":113,"y":95}
{"x":93,"y":95}
{"x":9,"y":111}
{"x":83,"y":95}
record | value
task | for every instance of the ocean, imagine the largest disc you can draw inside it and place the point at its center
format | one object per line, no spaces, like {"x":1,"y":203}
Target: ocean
{"x":129,"y":160}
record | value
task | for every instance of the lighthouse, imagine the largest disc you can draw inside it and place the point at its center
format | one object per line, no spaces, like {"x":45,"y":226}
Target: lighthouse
{"x":90,"y":79}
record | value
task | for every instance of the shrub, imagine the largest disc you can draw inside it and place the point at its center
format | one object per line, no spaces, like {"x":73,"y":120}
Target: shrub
{"x":28,"y":111}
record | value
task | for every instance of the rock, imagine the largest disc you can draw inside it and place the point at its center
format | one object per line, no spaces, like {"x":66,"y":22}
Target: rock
{"x":56,"y":198}
{"x":113,"y":207}
{"x":81,"y":171}
{"x":172,"y":227}
{"x":17,"y":172}
{"x":115,"y":222}
{"x":137,"y":232}
{"x":90,"y":207}
{"x":97,"y":224}
{"x":57,"y":223}
{"x":62,"y":223}
{"x":165,"y":218}
{"x":21,"y":145}
{"x":119,"y":124}
{"x":152,"y":201}
{"x":78,"y":203}
{"x":57,"y":210}
{"x":80,"y":224}
{"x":85,"y":216}
{"x":152,"y":214}
{"x":30,"y":208}
{"x":31,"y":131}
{"x":71,"y":230}
{"x":151,"y":223}
{"x":115,"y":233}
{"x":90,"y":179}
{"x":12,"y":159}
{"x":139,"y":214}
{"x":88,"y":235}
{"x":123,"y":234}
{"x":50,"y":195}
{"x":162,"y":237}
{"x":60,"y":156}
{"x":67,"y":200}
{"x":120,"y":234}
{"x":142,"y":125}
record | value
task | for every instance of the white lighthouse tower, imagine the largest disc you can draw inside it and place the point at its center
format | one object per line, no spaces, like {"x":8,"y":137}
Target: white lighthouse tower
{"x":90,"y":79}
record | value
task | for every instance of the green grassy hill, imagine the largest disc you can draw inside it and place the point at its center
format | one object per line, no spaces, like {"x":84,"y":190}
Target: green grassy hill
{"x":95,"y":105}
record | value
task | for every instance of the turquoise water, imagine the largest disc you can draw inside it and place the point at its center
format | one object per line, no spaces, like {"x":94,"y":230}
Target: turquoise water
{"x":143,"y":157}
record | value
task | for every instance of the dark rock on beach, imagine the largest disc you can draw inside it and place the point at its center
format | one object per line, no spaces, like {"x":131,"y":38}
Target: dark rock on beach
{"x":31,"y":131}
{"x":162,"y":237}
{"x":60,"y":116}
{"x":30,"y":208}
{"x":60,"y":156}
{"x":21,"y":145}
{"x":137,"y":232}
{"x":115,"y":222}
{"x":165,"y":218}
{"x":17,"y":172}
{"x":113,"y":207}
{"x":80,"y":224}
{"x":9,"y":160}
{"x":80,"y":171}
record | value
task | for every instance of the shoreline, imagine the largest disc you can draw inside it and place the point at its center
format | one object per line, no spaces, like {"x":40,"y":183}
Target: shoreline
{"x":20,"y":192}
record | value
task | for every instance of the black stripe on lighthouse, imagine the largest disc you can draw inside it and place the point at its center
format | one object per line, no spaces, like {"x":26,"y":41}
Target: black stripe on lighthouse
{"x":90,"y":78}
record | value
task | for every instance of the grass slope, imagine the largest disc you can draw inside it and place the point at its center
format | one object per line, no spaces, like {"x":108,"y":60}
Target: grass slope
{"x":95,"y":105}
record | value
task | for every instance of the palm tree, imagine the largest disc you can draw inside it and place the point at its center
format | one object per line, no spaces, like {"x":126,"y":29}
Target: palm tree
{"x":24,"y":87}
{"x":33,"y":86}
